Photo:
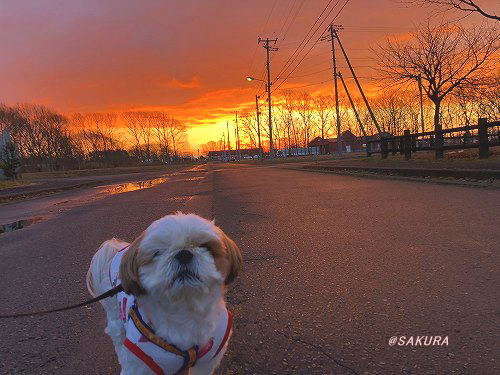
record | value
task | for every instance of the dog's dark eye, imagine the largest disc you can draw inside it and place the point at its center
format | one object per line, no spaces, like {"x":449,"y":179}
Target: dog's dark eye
{"x":156,"y":253}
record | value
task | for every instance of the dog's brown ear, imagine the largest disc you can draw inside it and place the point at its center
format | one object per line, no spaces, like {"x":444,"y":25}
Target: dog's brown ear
{"x":129,"y":269}
{"x":233,"y":255}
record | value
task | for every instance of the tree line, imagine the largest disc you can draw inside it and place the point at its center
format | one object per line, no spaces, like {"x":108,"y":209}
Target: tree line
{"x":48,"y":140}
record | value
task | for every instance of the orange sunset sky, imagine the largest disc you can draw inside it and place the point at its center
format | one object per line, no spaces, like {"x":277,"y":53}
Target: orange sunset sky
{"x":188,"y":57}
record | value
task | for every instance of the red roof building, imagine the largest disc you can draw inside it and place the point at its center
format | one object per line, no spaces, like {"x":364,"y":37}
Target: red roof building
{"x":350,"y":143}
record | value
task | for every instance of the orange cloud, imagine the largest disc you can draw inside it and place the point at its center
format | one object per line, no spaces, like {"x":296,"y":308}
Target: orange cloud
{"x":194,"y":83}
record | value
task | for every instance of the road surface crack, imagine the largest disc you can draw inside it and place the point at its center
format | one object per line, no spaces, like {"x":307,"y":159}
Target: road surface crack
{"x":319,"y":349}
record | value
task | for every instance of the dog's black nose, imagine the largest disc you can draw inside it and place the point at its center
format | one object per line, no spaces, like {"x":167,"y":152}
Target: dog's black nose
{"x":184,"y":256}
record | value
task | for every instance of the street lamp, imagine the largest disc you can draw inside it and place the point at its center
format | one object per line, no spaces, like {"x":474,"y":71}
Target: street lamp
{"x":255,"y":79}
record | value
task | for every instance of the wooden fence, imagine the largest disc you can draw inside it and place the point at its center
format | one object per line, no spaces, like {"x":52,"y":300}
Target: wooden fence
{"x":480,"y":136}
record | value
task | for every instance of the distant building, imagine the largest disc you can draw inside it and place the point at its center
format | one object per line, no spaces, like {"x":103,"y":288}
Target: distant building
{"x":298,"y":151}
{"x":350,"y":143}
{"x":231,"y":155}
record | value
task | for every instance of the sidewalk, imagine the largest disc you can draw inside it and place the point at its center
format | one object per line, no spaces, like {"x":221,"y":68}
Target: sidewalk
{"x":486,"y":172}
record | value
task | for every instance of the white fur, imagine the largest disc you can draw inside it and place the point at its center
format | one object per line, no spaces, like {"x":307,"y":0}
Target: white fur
{"x":183,"y":312}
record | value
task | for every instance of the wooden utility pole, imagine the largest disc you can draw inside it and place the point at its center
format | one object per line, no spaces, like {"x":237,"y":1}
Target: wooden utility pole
{"x":353,"y":106}
{"x":236,"y":146}
{"x":337,"y":111}
{"x":238,"y":153}
{"x":228,"y":143}
{"x":372,"y":115}
{"x":268,"y":48}
{"x":258,"y":124}
{"x":223,"y":146}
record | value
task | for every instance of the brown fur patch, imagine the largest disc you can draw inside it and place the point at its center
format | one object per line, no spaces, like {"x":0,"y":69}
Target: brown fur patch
{"x":129,"y":268}
{"x":227,"y":256}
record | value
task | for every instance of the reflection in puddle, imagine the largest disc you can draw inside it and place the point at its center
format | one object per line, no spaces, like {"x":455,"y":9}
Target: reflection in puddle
{"x":16,"y":225}
{"x":132,"y":186}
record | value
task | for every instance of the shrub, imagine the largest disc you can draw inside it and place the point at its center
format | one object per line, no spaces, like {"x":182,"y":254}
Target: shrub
{"x":10,"y":160}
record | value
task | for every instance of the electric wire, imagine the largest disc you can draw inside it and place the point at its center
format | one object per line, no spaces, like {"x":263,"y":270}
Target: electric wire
{"x":310,"y":49}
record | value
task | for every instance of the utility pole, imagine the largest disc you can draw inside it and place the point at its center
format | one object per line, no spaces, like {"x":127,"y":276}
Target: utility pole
{"x":228,"y":143}
{"x":236,"y":146}
{"x":223,"y":146}
{"x":269,"y":48}
{"x":419,"y":78}
{"x":333,"y":31}
{"x":237,"y":138}
{"x":353,"y":107}
{"x":372,"y":115}
{"x":258,"y":124}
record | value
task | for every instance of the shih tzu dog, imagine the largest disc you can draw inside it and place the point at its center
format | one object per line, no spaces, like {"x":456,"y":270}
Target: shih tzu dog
{"x":171,"y":317}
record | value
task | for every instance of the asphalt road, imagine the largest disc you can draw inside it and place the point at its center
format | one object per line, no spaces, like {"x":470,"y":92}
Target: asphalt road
{"x":334,"y":267}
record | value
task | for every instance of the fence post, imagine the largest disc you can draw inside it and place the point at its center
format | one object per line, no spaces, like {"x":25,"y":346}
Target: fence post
{"x":482,"y":133}
{"x":407,"y":145}
{"x":383,"y":148}
{"x":438,"y":144}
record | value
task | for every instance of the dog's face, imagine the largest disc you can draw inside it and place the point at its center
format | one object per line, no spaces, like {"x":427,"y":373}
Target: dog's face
{"x":179,"y":252}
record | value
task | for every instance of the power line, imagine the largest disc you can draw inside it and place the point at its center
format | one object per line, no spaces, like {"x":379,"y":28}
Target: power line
{"x":313,"y":84}
{"x":308,"y":40}
{"x":285,"y":18}
{"x":327,"y":81}
{"x":293,"y":20}
{"x":293,"y":55}
{"x":329,"y":68}
{"x":262,"y":27}
{"x":334,"y":18}
{"x":314,"y":44}
{"x":311,"y":74}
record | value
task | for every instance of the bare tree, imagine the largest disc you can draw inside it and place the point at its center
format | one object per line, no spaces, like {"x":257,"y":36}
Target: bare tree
{"x":139,"y":125}
{"x":249,"y":128}
{"x":469,"y":6}
{"x":177,"y":132}
{"x":287,"y":114}
{"x":305,"y":110}
{"x":161,"y":122}
{"x":323,"y":107}
{"x":97,"y":134}
{"x":42,"y":134}
{"x":104,"y":126}
{"x":445,"y":56}
{"x":209,"y":146}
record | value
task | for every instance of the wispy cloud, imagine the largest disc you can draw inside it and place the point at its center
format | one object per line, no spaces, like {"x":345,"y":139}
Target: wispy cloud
{"x":193,"y":83}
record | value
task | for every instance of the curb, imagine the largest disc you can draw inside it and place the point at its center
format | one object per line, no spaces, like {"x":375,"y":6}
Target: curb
{"x":371,"y":172}
{"x":23,"y":196}
{"x":476,"y":174}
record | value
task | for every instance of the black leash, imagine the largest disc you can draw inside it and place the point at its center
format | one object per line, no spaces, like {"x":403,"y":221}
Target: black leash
{"x":109,"y":293}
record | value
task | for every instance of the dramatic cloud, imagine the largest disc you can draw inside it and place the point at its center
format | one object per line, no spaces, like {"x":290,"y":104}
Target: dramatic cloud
{"x":189,"y":57}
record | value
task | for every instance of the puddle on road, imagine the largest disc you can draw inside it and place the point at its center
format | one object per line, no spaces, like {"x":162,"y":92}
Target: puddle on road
{"x":16,"y":225}
{"x":132,"y":186}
